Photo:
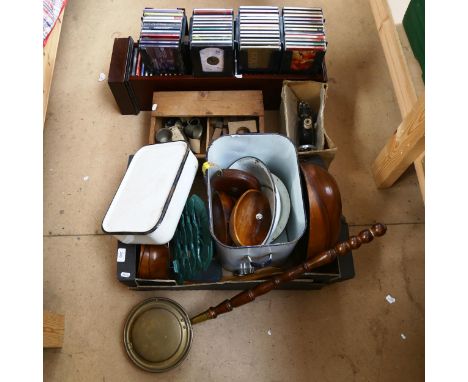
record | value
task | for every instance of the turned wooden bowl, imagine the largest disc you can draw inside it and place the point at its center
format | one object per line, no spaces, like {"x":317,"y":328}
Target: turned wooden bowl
{"x":222,"y":205}
{"x":324,"y":208}
{"x":154,"y":262}
{"x":234,"y":182}
{"x":250,"y":219}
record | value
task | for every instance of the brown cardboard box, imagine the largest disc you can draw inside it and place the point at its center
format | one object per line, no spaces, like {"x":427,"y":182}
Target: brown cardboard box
{"x":315,"y":94}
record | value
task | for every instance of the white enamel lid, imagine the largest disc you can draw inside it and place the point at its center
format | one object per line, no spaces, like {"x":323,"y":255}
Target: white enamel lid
{"x":146,"y":189}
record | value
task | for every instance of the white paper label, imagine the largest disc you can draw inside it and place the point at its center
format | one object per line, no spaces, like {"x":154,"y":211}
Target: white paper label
{"x":212,"y":59}
{"x":125,"y":274}
{"x":121,"y":255}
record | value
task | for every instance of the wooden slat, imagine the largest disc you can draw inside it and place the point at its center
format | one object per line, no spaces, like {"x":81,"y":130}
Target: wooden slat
{"x":208,"y":103}
{"x":49,"y":55}
{"x":53,"y":329}
{"x":420,"y":172}
{"x":406,"y":144}
{"x":402,"y":83}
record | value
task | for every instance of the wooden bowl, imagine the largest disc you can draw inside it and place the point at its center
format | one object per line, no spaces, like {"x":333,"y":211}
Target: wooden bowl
{"x":154,"y":262}
{"x":250,"y":219}
{"x":234,"y":182}
{"x":222,"y":205}
{"x":324,"y":208}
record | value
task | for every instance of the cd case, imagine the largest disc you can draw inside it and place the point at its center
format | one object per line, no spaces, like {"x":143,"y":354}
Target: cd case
{"x":259,"y":39}
{"x":304,"y":40}
{"x":161,"y":42}
{"x":212,"y":42}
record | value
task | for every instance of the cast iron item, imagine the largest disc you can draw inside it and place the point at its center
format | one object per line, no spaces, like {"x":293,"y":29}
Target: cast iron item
{"x":307,"y":131}
{"x":324,"y":203}
{"x":158,"y":332}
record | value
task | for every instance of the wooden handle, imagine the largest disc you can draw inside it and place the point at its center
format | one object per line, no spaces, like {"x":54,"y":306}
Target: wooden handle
{"x":354,"y":242}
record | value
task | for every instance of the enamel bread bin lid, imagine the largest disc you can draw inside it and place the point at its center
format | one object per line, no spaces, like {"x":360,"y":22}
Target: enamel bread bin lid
{"x":149,"y":201}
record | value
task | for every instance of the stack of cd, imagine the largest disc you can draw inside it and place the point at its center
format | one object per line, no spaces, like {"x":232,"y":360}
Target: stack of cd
{"x":212,"y":42}
{"x":259,"y":38}
{"x":304,"y":40}
{"x":161,"y":40}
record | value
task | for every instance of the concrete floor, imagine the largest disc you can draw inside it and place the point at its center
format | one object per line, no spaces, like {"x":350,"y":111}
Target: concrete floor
{"x":344,"y":332}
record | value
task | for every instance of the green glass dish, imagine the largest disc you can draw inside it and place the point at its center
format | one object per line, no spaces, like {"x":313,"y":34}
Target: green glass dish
{"x":192,"y":245}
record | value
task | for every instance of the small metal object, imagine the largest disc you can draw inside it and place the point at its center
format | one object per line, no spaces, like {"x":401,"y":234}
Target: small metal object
{"x":157,"y":334}
{"x":170,"y":122}
{"x":163,"y":135}
{"x":307,"y":123}
{"x":303,"y":148}
{"x":245,"y":267}
{"x":243,"y":130}
{"x":194,"y":128}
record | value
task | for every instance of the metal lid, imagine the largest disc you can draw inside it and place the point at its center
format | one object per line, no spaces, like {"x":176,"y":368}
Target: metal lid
{"x":157,"y":334}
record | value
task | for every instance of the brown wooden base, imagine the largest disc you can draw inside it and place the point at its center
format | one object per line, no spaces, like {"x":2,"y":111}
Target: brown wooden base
{"x":135,"y":93}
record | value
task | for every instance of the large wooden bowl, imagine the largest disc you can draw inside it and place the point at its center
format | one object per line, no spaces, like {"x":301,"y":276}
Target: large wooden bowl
{"x":222,"y":205}
{"x":324,"y":208}
{"x":250,"y":219}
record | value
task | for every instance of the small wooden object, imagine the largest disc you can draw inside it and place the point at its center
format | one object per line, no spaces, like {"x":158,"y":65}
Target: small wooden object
{"x":206,"y":104}
{"x":404,"y":147}
{"x":154,"y":262}
{"x":354,"y":242}
{"x":234,"y":182}
{"x":222,"y":205}
{"x":250,"y":219}
{"x":324,"y":202}
{"x":407,"y":143}
{"x":53,"y":329}
{"x":402,"y":83}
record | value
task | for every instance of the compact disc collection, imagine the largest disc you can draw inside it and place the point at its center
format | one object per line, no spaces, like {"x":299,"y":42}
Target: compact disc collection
{"x":160,"y":43}
{"x":262,"y":39}
{"x":212,"y":42}
{"x":304,"y":40}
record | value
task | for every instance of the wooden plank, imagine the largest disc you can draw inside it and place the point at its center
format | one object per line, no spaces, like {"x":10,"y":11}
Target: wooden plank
{"x":208,"y":103}
{"x":401,"y":77}
{"x":420,"y":172}
{"x":49,"y":54}
{"x":53,"y":329}
{"x":406,"y":144}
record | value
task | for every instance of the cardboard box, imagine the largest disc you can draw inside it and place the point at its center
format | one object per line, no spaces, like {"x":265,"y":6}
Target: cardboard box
{"x":128,"y":257}
{"x":315,"y":94}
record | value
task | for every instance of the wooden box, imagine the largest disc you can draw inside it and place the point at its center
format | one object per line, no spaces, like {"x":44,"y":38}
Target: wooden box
{"x":206,"y":105}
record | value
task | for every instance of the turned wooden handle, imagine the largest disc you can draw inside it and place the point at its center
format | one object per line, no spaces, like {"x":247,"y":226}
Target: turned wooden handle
{"x":354,"y":242}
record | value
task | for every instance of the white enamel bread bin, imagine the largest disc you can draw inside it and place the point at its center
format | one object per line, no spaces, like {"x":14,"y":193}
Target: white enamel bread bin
{"x":149,"y":201}
{"x":279,"y":154}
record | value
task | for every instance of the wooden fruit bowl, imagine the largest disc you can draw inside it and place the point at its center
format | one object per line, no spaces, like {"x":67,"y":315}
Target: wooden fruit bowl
{"x":324,"y":208}
{"x":250,"y":219}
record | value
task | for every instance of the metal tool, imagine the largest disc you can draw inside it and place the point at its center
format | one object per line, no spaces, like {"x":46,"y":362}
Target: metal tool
{"x":158,"y":331}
